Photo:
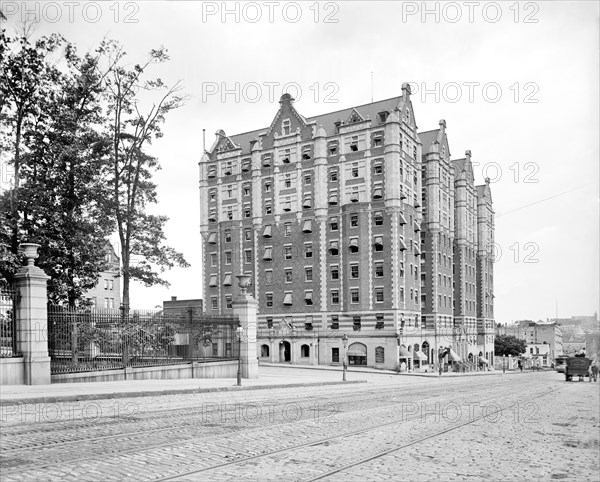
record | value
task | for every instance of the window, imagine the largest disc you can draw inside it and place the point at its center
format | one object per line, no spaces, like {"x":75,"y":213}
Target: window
{"x":354,"y":169}
{"x":353,"y":246}
{"x":228,"y":236}
{"x":111,"y":284}
{"x":354,"y":220}
{"x":307,"y":179}
{"x":306,"y":152}
{"x":286,"y":156}
{"x":228,"y":301}
{"x":287,"y":252}
{"x":213,"y":280}
{"x":268,"y":277}
{"x":267,"y":231}
{"x":354,"y":295}
{"x":246,"y":190}
{"x":333,"y":147}
{"x":268,"y":209}
{"x":354,"y":271}
{"x":308,"y":298}
{"x":214,"y":303}
{"x":379,"y":324}
{"x":333,"y":198}
{"x":378,"y":243}
{"x":335,"y":354}
{"x":268,"y":186}
{"x":356,"y":324}
{"x":246,"y":164}
{"x":215,"y":349}
{"x":401,"y":295}
{"x":378,"y":168}
{"x":287,"y":229}
{"x":378,"y":139}
{"x":212,"y":195}
{"x":268,"y":253}
{"x":307,"y":226}
{"x":228,"y":168}
{"x":227,"y":257}
{"x":287,"y":204}
{"x":401,"y":269}
{"x":269,"y":322}
{"x":285,"y":127}
{"x":379,"y":269}
{"x":287,"y":298}
{"x":248,"y":256}
{"x":229,"y":213}
{"x":333,"y":223}
{"x":354,"y":146}
{"x":335,"y":272}
{"x":287,"y":275}
{"x":378,"y":192}
{"x":247,"y":210}
{"x":269,"y":299}
{"x":307,"y":201}
{"x":308,"y":252}
{"x":379,"y":295}
{"x":248,"y":234}
{"x":212,"y":171}
{"x":227,"y":279}
{"x":304,"y":351}
{"x":335,"y":297}
{"x":378,"y":218}
{"x":335,"y":322}
{"x":354,"y":195}
{"x":333,"y":248}
{"x":308,"y":323}
{"x":213,"y":259}
{"x":230,"y":191}
{"x":308,"y":274}
{"x":333,"y":175}
{"x":379,"y":354}
{"x":287,"y":180}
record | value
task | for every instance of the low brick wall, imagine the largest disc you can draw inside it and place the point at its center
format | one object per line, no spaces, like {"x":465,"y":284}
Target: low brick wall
{"x":220,"y":369}
{"x":12,"y":371}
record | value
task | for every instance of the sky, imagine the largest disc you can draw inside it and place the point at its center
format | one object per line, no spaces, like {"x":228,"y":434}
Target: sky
{"x":517,"y":84}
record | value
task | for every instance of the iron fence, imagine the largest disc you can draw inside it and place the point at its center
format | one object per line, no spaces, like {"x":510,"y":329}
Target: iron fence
{"x":88,"y":340}
{"x":9,"y":297}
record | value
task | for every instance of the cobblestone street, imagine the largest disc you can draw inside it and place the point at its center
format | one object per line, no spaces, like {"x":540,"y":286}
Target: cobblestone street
{"x":518,"y":426}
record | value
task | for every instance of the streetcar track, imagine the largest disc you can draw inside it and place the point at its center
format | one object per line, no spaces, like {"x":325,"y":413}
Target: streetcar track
{"x":321,"y":442}
{"x":384,"y":403}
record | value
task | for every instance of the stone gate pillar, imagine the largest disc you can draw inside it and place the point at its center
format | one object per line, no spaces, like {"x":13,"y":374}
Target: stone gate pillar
{"x":32,"y":318}
{"x":245,"y":308}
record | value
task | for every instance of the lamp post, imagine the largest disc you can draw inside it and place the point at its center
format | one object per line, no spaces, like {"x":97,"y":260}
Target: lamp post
{"x":344,"y":361}
{"x":239,"y":371}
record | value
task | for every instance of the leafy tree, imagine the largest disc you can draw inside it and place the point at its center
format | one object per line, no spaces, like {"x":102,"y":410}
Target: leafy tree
{"x":505,"y":345}
{"x":131,"y":130}
{"x":58,"y":195}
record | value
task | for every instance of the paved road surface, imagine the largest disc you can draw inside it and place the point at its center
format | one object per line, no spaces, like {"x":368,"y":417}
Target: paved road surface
{"x":523,"y":426}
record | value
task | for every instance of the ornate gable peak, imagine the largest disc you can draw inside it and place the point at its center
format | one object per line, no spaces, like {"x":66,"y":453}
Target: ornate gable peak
{"x":354,"y":117}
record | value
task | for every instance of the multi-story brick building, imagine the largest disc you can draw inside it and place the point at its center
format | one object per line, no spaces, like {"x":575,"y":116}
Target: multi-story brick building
{"x":325,"y":213}
{"x":107,"y":292}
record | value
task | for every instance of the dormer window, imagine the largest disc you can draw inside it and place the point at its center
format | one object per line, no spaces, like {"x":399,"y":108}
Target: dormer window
{"x":383,"y":116}
{"x":286,"y":127}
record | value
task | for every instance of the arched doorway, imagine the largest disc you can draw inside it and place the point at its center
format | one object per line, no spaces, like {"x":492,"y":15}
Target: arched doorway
{"x":470,"y":357}
{"x":304,"y":351}
{"x":425,"y":350}
{"x":264,"y":351}
{"x":357,"y":354}
{"x":285,"y":351}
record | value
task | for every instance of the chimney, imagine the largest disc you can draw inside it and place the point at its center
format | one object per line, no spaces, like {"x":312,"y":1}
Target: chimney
{"x":468,"y":155}
{"x":443,"y":126}
{"x":173,"y":298}
{"x":406,"y":91}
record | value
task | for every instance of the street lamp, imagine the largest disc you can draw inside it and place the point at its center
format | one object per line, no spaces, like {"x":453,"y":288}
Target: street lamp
{"x":239,"y":371}
{"x":344,"y":362}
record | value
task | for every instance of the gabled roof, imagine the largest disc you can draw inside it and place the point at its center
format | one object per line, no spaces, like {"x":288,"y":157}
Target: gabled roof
{"x":484,"y":191}
{"x":328,"y":120}
{"x":428,"y":138}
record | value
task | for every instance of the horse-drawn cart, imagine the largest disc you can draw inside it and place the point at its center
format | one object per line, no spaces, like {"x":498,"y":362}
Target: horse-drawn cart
{"x":577,"y":366}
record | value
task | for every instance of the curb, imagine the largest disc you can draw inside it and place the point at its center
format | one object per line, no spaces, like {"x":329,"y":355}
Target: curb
{"x":154,"y":393}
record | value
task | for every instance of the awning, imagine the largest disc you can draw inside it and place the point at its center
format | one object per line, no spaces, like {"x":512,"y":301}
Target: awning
{"x":287,"y":299}
{"x":377,"y":193}
{"x":287,"y":206}
{"x":357,"y":349}
{"x":333,"y":199}
{"x":417,"y":228}
{"x":307,"y":203}
{"x":416,"y":250}
{"x":212,"y":215}
{"x":268,"y":254}
{"x":227,"y":280}
{"x":246,"y":165}
{"x":213,"y":280}
{"x":401,"y":245}
{"x":354,"y":197}
{"x":212,"y":171}
{"x":378,"y":241}
{"x":483,"y":360}
{"x":453,"y":356}
{"x":212,"y":238}
{"x":267,"y":231}
{"x":419,"y":355}
{"x":333,"y":246}
{"x":308,"y":297}
{"x":266,"y":161}
{"x":307,"y":227}
{"x":404,"y":353}
{"x":402,"y":195}
{"x":401,"y":219}
{"x":353,"y":242}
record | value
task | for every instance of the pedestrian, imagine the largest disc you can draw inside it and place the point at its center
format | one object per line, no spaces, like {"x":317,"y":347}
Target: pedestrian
{"x":520,"y":364}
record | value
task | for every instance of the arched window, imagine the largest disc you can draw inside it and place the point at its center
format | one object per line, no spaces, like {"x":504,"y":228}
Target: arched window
{"x":264,"y":351}
{"x":357,"y":354}
{"x":304,"y":351}
{"x":379,"y":355}
{"x":470,"y":357}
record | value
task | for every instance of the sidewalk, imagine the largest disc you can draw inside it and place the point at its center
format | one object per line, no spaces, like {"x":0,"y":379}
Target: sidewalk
{"x":71,"y":392}
{"x":272,"y":375}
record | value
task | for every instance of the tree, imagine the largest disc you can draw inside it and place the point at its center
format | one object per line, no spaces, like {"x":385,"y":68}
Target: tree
{"x":131,"y":131}
{"x":505,"y":345}
{"x":60,"y":177}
